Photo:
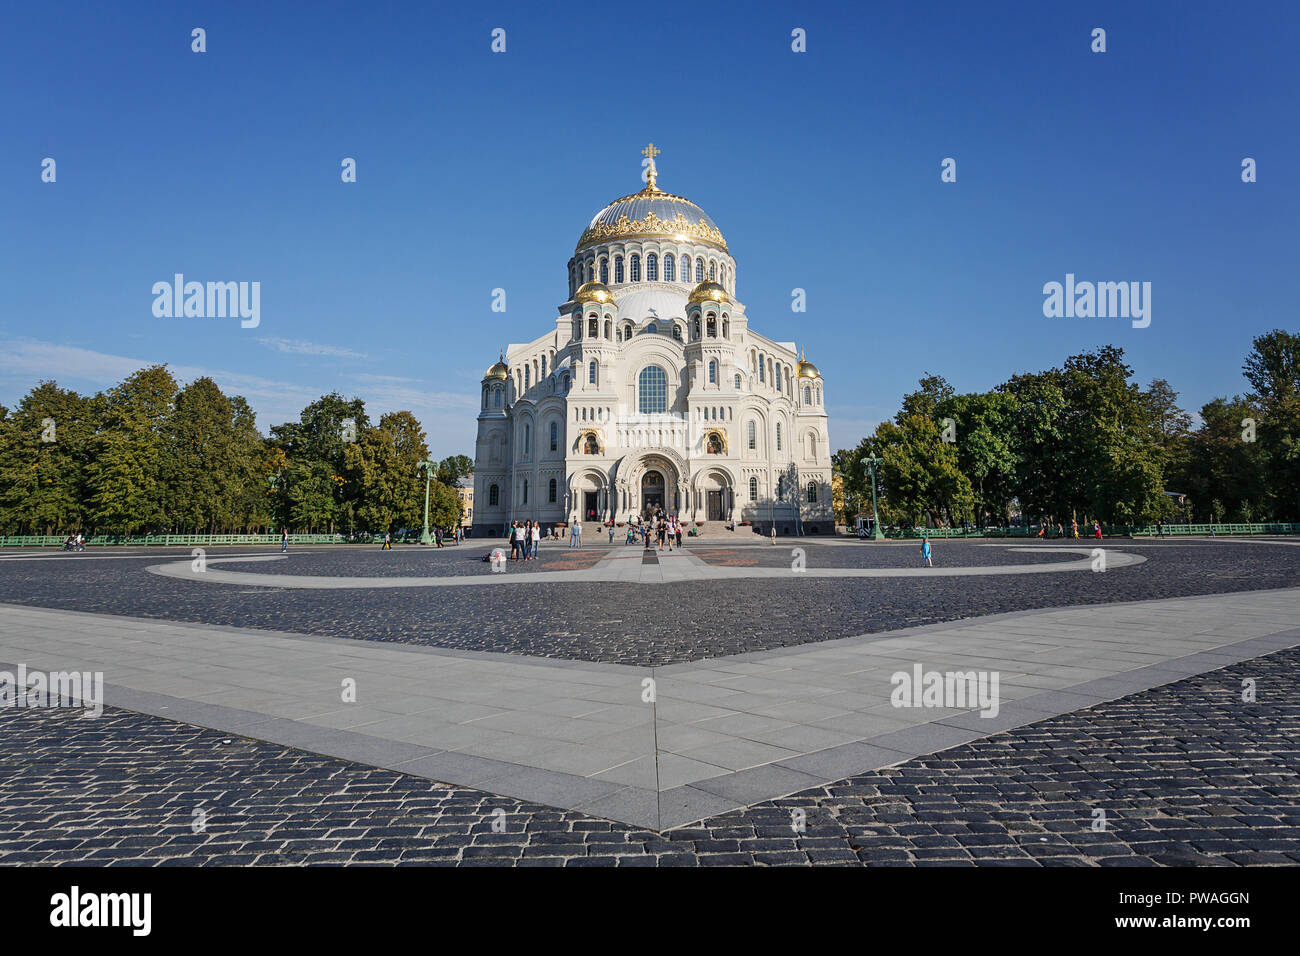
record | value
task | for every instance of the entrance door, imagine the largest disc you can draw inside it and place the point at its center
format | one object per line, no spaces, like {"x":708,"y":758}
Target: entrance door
{"x":652,"y":492}
{"x":589,"y":499}
{"x":714,"y":509}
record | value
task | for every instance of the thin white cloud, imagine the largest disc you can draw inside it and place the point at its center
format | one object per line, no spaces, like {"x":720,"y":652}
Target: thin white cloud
{"x":303,"y":347}
{"x":448,"y":417}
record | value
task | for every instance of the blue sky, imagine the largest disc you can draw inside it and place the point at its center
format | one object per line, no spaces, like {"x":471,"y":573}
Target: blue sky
{"x":479,"y":170}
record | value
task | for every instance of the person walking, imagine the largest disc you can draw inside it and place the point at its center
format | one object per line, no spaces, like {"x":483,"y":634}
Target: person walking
{"x":1096,"y":530}
{"x":284,"y":540}
{"x":1074,"y":528}
{"x":388,"y":541}
{"x":537,"y":538}
{"x":925,"y":553}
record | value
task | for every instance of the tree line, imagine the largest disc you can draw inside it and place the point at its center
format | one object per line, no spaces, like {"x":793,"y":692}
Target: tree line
{"x":151,"y":456}
{"x":1085,"y":442}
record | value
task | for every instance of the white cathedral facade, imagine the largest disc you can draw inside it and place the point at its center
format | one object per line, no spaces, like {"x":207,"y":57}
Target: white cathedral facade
{"x":653,"y":393}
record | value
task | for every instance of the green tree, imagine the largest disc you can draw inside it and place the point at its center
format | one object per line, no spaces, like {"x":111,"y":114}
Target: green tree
{"x":920,"y":474}
{"x":43,"y":449}
{"x":983,"y":425}
{"x":126,"y":491}
{"x":450,"y":470}
{"x":1273,"y":370}
{"x":212,"y":463}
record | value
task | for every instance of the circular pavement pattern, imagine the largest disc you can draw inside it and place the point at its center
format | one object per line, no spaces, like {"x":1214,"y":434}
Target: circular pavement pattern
{"x":629,"y":622}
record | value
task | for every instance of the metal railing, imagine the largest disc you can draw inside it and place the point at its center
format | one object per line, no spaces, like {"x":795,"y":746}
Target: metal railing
{"x":1107,"y":530}
{"x":203,"y":540}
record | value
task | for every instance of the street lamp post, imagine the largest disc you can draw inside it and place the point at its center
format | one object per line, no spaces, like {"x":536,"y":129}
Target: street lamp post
{"x":873,"y":464}
{"x":428,"y":465}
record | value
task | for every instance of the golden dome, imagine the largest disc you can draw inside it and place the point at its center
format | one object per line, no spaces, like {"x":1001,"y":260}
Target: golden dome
{"x":593,"y":292}
{"x":500,"y":371}
{"x":709,"y":292}
{"x":806,"y":369}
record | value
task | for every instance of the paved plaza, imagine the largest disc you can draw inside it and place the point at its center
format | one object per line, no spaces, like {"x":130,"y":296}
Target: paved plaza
{"x":623,"y":703}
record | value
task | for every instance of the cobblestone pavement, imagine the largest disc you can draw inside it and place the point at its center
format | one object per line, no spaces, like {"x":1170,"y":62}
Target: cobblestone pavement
{"x":628,"y":623}
{"x":1186,"y":774}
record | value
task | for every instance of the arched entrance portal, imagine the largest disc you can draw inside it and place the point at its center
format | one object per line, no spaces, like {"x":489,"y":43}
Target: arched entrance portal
{"x":715,"y":498}
{"x":653,"y":489}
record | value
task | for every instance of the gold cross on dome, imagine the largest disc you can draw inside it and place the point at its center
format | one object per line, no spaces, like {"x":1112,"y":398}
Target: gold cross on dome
{"x":651,"y":174}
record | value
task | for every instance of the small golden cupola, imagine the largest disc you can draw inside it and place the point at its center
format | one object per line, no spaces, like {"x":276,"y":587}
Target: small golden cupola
{"x":806,"y":369}
{"x":593,"y":292}
{"x":500,"y":371}
{"x":709,"y":292}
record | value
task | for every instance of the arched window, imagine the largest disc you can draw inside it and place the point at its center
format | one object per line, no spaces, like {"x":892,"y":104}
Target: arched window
{"x":713,"y":372}
{"x":635,"y":270}
{"x":652,"y":391}
{"x":528,"y":431}
{"x":525,"y":491}
{"x":711,"y":326}
{"x":699,"y":270}
{"x":590,"y":446}
{"x":695,"y":330}
{"x":494,"y":496}
{"x":550,"y":491}
{"x":714,"y":444}
{"x":807,"y":395}
{"x":555,"y":437}
{"x":778,"y":436}
{"x":652,"y":268}
{"x":753,"y":489}
{"x":593,"y":327}
{"x":713,"y":271}
{"x":527,"y":377}
{"x":566,"y":383}
{"x":780,"y":488}
{"x":669,"y":263}
{"x":496,"y":397}
{"x":618,"y":269}
{"x":812,"y":492}
{"x":751,"y":433}
{"x":652,"y":329}
{"x":609,"y":329}
{"x":737,"y":381}
{"x":604,"y":272}
{"x":591,"y":373}
{"x":778,"y":376}
{"x":762,"y":375}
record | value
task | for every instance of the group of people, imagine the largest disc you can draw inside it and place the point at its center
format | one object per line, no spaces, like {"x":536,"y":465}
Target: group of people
{"x":666,"y":530}
{"x":1074,"y":530}
{"x":75,"y":542}
{"x":525,"y":539}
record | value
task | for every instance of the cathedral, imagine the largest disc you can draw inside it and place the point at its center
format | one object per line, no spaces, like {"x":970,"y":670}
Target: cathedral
{"x":652,"y":393}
